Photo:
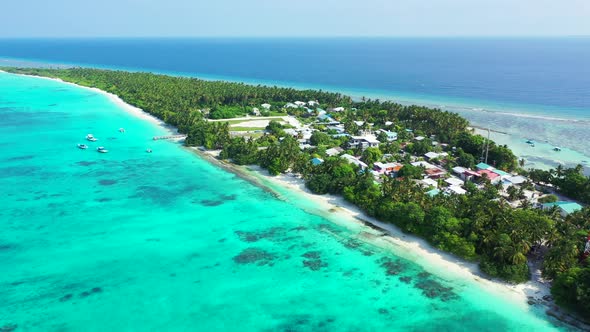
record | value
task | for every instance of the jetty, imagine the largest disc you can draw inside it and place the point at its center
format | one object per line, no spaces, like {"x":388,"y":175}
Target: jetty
{"x":157,"y":138}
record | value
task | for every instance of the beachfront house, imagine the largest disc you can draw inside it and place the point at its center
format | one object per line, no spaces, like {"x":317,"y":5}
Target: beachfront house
{"x":564,"y":208}
{"x":354,"y":160}
{"x":313,"y":103}
{"x":363,"y":142}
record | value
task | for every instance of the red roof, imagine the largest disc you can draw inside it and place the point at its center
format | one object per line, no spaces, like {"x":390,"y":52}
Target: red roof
{"x":491,"y":175}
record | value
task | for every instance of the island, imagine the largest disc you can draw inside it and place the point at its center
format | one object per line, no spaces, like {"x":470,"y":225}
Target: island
{"x":420,"y":169}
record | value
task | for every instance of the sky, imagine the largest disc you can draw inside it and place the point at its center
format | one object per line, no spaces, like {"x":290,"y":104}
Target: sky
{"x":293,"y":18}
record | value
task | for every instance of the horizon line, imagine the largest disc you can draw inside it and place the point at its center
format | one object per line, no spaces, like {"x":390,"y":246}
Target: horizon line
{"x":304,"y":37}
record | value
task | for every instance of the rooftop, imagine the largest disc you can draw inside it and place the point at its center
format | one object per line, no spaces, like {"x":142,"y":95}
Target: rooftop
{"x":568,"y":207}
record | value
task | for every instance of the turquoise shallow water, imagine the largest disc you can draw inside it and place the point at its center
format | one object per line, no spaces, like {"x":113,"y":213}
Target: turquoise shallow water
{"x":130,"y":241}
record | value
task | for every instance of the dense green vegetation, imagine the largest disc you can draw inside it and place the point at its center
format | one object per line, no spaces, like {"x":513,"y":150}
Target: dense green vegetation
{"x":479,"y":226}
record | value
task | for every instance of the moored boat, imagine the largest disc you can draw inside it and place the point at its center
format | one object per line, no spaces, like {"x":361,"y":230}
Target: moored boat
{"x":91,"y":138}
{"x":557,"y":148}
{"x":148,"y":150}
{"x":82,"y":146}
{"x":101,"y":149}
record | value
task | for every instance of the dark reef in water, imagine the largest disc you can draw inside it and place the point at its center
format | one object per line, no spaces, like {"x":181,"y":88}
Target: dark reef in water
{"x":305,"y":322}
{"x":270,"y":234}
{"x":86,"y":163}
{"x":8,"y":328}
{"x":314,"y":261}
{"x":255,"y":255}
{"x":207,"y":202}
{"x":27,"y":157}
{"x":94,"y":290}
{"x":433,"y":289}
{"x":392,"y":267}
{"x":107,"y":182}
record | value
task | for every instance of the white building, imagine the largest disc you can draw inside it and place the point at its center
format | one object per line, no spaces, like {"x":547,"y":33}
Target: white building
{"x":266,"y":106}
{"x":363,"y":141}
{"x":354,"y":160}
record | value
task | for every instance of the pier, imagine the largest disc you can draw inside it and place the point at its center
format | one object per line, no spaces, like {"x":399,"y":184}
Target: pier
{"x":157,"y":138}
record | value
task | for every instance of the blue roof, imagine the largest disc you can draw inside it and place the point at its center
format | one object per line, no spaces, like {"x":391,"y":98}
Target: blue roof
{"x":483,"y":166}
{"x":568,"y":207}
{"x":433,"y":192}
{"x":316,"y":161}
{"x":501,"y":173}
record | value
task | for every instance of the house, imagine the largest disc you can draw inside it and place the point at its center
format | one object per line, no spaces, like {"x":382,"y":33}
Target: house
{"x":456,"y":190}
{"x":363,"y":141}
{"x":337,"y":109}
{"x":460,"y":171}
{"x":391,"y":135}
{"x":433,"y":192}
{"x":503,"y":175}
{"x":334,"y":151}
{"x":454,"y":182}
{"x":266,"y":106}
{"x":339,"y":128}
{"x":359,"y":123}
{"x":255,"y":111}
{"x":419,"y":138}
{"x":434,"y":155}
{"x":481,"y":166}
{"x":291,"y":131}
{"x":313,"y":103}
{"x":300,"y":103}
{"x":514,"y":180}
{"x":435,"y":173}
{"x":354,"y":160}
{"x":423,"y":164}
{"x":388,"y":123}
{"x":429,"y":183}
{"x":324,"y":117}
{"x":317,"y":161}
{"x":493,"y":177}
{"x":564,"y":208}
{"x":290,"y":105}
{"x":387,"y":168}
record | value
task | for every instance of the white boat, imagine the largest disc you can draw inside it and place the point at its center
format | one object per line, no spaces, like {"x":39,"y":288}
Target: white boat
{"x":82,"y":146}
{"x":121,"y":130}
{"x":101,"y":149}
{"x":557,"y":148}
{"x":91,"y":138}
{"x":148,"y":150}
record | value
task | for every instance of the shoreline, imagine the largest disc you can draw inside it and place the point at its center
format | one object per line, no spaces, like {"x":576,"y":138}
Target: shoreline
{"x":330,"y":206}
{"x":414,"y":248}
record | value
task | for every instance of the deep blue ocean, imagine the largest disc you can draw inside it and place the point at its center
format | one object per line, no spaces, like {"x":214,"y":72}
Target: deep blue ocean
{"x":539,"y":72}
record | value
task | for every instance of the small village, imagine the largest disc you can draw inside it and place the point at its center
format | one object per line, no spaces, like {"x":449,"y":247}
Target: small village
{"x":439,"y":176}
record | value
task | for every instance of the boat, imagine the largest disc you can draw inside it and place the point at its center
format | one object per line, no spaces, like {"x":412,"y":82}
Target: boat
{"x":91,"y":138}
{"x":530,"y":141}
{"x":148,"y":150}
{"x":121,"y":130}
{"x":557,"y":148}
{"x":82,"y":146}
{"x":101,"y":149}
